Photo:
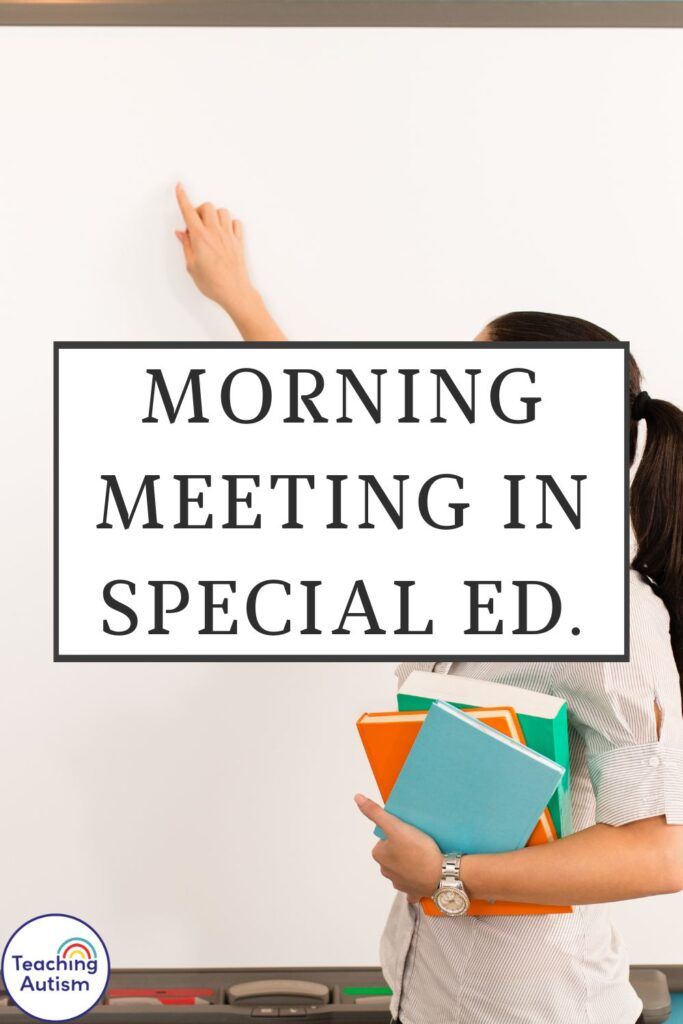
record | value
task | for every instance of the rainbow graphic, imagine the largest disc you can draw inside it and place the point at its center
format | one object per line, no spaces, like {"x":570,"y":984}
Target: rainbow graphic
{"x":76,"y":947}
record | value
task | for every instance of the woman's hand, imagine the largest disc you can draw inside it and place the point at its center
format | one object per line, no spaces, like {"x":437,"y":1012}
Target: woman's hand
{"x":213,"y":244}
{"x":410,"y":859}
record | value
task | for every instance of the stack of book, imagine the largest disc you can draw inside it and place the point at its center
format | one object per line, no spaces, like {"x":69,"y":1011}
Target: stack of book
{"x":481,"y":767}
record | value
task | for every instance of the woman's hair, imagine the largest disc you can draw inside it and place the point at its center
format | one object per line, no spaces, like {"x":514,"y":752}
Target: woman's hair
{"x":657,"y":488}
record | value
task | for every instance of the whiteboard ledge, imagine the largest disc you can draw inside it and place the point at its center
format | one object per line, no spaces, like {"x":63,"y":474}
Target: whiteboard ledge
{"x":350,"y":13}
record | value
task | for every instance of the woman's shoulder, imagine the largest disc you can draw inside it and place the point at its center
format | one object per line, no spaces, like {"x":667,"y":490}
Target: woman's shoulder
{"x":650,"y":668}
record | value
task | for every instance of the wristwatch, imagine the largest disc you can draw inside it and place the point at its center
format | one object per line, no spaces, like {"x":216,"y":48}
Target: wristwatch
{"x":450,"y":896}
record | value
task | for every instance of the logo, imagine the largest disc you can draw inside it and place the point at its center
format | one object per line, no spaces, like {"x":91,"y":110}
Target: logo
{"x":55,"y":967}
{"x":77,"y":947}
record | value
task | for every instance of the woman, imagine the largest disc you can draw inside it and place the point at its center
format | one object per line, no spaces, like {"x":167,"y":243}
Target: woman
{"x":626,"y":750}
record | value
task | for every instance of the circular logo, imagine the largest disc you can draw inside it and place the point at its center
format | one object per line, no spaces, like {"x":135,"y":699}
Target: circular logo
{"x":55,"y":967}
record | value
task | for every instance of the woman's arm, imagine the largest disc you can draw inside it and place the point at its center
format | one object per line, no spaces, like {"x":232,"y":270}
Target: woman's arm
{"x":601,"y":864}
{"x":213,"y":244}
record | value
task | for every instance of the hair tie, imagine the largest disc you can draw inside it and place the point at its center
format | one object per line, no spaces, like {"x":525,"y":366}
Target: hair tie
{"x":639,"y":406}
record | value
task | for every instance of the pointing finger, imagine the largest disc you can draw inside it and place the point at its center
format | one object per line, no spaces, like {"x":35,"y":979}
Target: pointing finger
{"x":190,"y":216}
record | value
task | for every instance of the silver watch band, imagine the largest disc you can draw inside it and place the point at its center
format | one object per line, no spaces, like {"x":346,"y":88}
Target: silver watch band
{"x":450,"y":868}
{"x":451,"y":897}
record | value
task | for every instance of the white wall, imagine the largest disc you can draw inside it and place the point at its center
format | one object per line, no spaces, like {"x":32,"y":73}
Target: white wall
{"x":399,"y":184}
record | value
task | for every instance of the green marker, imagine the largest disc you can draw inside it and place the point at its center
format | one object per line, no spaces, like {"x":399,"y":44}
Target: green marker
{"x":366,"y":990}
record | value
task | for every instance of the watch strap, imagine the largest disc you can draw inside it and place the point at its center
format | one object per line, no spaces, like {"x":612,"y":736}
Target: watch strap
{"x":450,"y":867}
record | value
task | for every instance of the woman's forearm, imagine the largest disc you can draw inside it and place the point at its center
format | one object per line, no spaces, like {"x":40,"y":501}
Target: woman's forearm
{"x":253,"y":321}
{"x":601,"y":864}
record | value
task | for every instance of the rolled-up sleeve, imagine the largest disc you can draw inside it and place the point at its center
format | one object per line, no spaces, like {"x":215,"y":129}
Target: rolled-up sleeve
{"x":638,"y":782}
{"x":635,"y":765}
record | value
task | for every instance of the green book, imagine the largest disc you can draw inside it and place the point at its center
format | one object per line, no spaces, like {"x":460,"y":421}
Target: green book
{"x":543,"y":719}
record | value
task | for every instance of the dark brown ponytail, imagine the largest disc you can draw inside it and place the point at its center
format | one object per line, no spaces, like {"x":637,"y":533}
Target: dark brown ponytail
{"x":657,"y":511}
{"x":657,"y":488}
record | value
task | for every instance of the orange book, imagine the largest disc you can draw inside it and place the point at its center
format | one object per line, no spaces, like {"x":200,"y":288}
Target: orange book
{"x":388,"y":736}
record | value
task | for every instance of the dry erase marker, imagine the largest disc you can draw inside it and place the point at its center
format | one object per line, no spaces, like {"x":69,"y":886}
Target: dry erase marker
{"x":163,"y":996}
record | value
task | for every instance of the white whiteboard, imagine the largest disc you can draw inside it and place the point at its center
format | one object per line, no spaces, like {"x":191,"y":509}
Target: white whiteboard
{"x":395,"y":184}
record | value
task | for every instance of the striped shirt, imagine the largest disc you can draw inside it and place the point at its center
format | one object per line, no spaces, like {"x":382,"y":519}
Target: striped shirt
{"x":557,"y":967}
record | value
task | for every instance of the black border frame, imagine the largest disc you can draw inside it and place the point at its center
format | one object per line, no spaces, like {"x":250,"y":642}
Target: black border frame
{"x":623,"y":346}
{"x":349,"y":13}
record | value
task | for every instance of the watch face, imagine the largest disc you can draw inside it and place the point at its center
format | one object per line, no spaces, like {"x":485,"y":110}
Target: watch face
{"x":452,"y":901}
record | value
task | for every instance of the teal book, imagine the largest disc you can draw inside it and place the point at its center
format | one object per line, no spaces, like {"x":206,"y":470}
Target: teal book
{"x":542,"y":716}
{"x":469,"y":787}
